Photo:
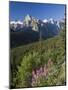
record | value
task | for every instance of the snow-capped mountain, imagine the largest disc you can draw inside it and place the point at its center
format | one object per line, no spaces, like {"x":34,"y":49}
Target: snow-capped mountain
{"x":51,"y":20}
{"x":48,"y":27}
{"x":15,"y":25}
{"x":30,"y":21}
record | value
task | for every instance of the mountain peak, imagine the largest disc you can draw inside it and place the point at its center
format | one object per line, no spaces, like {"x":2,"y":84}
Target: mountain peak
{"x":51,"y":20}
{"x":28,"y":17}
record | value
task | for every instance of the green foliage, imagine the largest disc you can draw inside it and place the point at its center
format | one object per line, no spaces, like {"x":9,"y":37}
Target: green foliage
{"x":26,"y":58}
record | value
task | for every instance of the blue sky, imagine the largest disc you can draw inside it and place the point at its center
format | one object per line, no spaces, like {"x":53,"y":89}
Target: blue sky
{"x":18,"y":10}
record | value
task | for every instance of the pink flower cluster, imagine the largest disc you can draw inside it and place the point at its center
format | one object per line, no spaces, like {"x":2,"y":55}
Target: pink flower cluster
{"x":42,"y":71}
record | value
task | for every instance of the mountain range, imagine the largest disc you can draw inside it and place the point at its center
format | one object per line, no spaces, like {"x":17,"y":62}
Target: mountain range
{"x":30,"y":29}
{"x":35,"y":24}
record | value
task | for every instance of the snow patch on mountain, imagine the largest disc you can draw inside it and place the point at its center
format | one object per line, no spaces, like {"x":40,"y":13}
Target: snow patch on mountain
{"x":16,"y":22}
{"x":45,"y":20}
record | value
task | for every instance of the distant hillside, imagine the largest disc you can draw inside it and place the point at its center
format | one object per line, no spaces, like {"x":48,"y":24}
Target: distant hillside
{"x":22,"y":38}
